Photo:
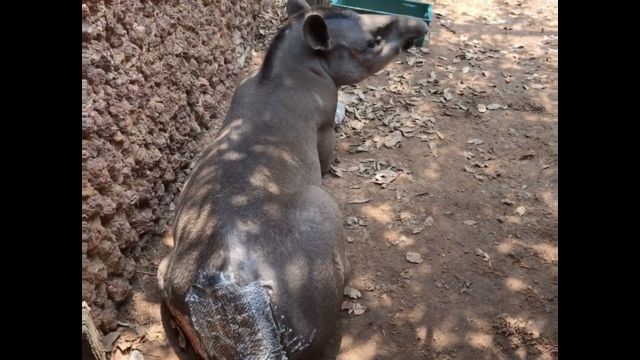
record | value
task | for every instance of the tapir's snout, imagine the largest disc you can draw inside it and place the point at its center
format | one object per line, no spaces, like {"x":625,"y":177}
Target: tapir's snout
{"x":400,"y":31}
{"x":412,"y":29}
{"x":417,"y":26}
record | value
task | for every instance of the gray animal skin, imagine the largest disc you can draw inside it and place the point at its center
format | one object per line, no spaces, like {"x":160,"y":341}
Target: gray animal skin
{"x":253,"y":225}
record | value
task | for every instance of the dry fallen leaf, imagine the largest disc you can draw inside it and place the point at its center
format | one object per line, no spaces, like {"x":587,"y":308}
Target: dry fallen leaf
{"x":392,"y":139}
{"x":428,"y":221}
{"x":413,"y":257}
{"x":353,"y":307}
{"x":521,"y":210}
{"x":483,"y":254}
{"x":136,"y":355}
{"x":406,"y":274}
{"x":354,"y":221}
{"x":528,"y":155}
{"x":358,"y":309}
{"x":360,"y":201}
{"x":356,"y":124}
{"x":407,"y":131}
{"x":352,"y":293}
{"x":117,"y":354}
{"x":127,"y":339}
{"x":337,"y":171}
{"x":385,"y":177}
{"x":109,"y":339}
{"x":156,"y":333}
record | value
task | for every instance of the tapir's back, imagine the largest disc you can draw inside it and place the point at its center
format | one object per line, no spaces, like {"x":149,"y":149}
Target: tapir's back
{"x":253,"y":227}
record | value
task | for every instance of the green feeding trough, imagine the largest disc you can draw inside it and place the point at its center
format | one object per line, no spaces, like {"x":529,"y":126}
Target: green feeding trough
{"x":390,"y":7}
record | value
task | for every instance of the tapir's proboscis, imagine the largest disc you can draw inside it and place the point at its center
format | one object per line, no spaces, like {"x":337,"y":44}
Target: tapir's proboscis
{"x":258,"y":266}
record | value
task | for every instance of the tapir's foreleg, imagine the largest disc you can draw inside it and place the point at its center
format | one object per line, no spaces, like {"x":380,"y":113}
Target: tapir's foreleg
{"x":326,"y":146}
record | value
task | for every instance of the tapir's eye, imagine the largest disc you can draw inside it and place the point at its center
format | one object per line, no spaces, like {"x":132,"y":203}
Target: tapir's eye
{"x":375,"y":42}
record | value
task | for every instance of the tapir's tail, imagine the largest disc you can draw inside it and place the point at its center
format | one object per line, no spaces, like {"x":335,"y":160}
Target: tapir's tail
{"x":233,"y":322}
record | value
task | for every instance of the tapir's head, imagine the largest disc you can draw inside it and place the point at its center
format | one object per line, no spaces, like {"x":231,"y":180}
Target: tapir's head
{"x":353,"y":46}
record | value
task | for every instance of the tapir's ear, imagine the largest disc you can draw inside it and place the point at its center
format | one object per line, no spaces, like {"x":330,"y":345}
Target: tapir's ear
{"x":316,"y":32}
{"x":294,"y":6}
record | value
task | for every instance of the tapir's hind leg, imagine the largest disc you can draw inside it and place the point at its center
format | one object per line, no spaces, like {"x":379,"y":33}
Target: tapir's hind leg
{"x":313,"y":270}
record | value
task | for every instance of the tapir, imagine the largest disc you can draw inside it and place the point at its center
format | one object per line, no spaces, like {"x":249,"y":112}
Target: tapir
{"x":258,"y":266}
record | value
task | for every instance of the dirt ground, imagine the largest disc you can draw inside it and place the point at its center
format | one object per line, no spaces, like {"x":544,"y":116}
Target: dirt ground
{"x":447,"y":174}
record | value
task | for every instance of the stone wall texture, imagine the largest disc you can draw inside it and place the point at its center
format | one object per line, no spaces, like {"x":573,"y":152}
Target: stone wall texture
{"x":156,"y":76}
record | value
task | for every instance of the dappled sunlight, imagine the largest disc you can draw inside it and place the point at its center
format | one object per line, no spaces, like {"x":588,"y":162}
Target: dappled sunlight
{"x":550,"y":199}
{"x":382,"y":213}
{"x":521,"y":353}
{"x":232,"y":131}
{"x":513,"y":219}
{"x":273,"y":210}
{"x":416,"y":314}
{"x":472,"y":315}
{"x":277,"y":153}
{"x":547,"y":100}
{"x":525,"y":334}
{"x":385,"y":300}
{"x":531,"y":326}
{"x":424,"y":268}
{"x":421,"y":334}
{"x":233,"y":156}
{"x":248,"y":226}
{"x":393,"y":237}
{"x":168,"y":239}
{"x":145,"y":308}
{"x":444,"y":338}
{"x":239,"y":254}
{"x":196,"y":222}
{"x":261,"y":178}
{"x":515,"y":284}
{"x":546,"y":251}
{"x":479,"y":340}
{"x":318,"y":99}
{"x":296,"y":272}
{"x":352,"y":349}
{"x":505,"y":247}
{"x":239,"y":200}
{"x":432,"y":171}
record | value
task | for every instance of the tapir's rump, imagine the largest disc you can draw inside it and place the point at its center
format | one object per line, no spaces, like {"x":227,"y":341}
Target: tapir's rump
{"x":233,"y":322}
